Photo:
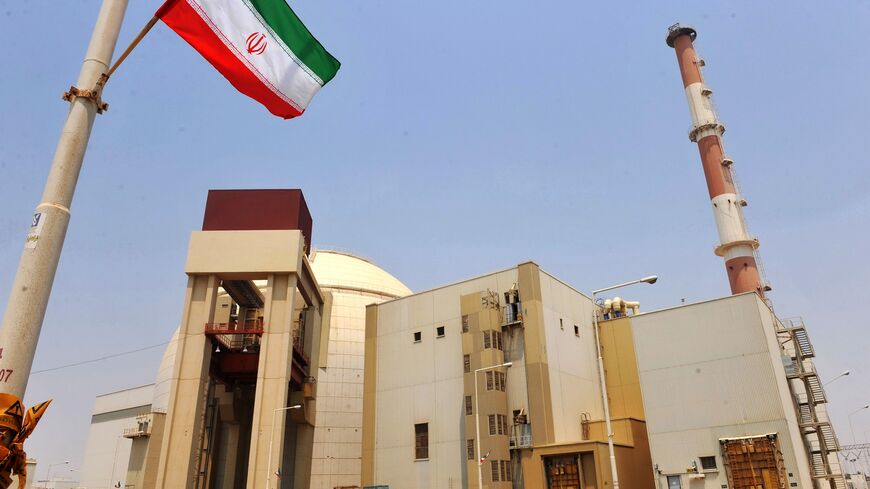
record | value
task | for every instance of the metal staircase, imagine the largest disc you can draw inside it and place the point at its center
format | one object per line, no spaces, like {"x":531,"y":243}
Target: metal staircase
{"x":809,"y":398}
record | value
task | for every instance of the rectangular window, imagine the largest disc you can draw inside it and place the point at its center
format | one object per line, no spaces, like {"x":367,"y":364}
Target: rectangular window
{"x":469,"y":406}
{"x":487,"y":340}
{"x":708,"y":463}
{"x":469,"y":449}
{"x":418,"y":336}
{"x":465,"y":324}
{"x":466,"y":362}
{"x":502,"y":425}
{"x":421,"y":441}
{"x":576,"y":330}
{"x":503,"y":469}
{"x":489,"y":382}
{"x":439,"y":331}
{"x":674,"y":482}
{"x":508,"y":472}
{"x":492,"y":424}
{"x":494,"y":470}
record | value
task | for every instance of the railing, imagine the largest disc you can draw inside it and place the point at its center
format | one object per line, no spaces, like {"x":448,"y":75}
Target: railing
{"x":521,"y":436}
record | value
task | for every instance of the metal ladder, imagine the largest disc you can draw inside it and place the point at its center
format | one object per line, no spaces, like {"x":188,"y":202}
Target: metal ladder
{"x":808,"y":394}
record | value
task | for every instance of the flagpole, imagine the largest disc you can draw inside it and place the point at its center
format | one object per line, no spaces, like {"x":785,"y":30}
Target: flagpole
{"x":135,"y":42}
{"x":31,"y":287}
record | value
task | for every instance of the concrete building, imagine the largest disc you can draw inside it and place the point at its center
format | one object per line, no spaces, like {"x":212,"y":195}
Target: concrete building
{"x":351,"y":283}
{"x":108,"y":451}
{"x":541,"y":419}
{"x":708,"y":395}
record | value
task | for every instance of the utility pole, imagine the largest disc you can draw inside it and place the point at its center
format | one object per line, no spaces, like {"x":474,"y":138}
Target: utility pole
{"x":31,"y":288}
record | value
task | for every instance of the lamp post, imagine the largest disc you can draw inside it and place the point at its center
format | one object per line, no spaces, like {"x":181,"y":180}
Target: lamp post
{"x":50,"y":466}
{"x":477,"y":420}
{"x":851,"y":427}
{"x":847,"y":372}
{"x":648,"y":280}
{"x":272,"y":439}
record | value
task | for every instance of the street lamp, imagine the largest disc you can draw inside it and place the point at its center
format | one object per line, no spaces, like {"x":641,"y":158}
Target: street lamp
{"x":477,"y":420}
{"x":850,"y":420}
{"x":50,"y":466}
{"x":837,"y":377}
{"x":647,"y":280}
{"x":272,"y":438}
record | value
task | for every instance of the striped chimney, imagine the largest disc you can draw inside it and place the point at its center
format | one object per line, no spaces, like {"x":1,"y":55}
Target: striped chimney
{"x":736,"y":246}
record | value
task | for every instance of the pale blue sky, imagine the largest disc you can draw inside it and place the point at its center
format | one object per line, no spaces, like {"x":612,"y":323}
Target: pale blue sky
{"x":458,"y":138}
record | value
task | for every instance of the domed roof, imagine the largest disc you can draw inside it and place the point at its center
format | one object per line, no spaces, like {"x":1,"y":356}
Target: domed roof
{"x":340,"y":270}
{"x":163,"y":384}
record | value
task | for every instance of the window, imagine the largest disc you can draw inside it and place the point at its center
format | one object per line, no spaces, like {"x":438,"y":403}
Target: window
{"x":498,"y":424}
{"x":421,"y":441}
{"x":507,"y":470}
{"x":465,"y":323}
{"x":490,"y":385}
{"x":466,"y":361}
{"x":503,"y":467}
{"x":708,"y":463}
{"x":439,"y":331}
{"x":494,"y":464}
{"x":561,"y":326}
{"x":418,"y":336}
{"x":496,"y":381}
{"x":674,"y":482}
{"x":496,"y":339}
{"x":576,"y":330}
{"x":469,"y":449}
{"x":487,"y":340}
{"x":469,"y":406}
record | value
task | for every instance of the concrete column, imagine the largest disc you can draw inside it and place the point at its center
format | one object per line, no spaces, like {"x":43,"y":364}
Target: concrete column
{"x":190,"y":376}
{"x":273,"y":379}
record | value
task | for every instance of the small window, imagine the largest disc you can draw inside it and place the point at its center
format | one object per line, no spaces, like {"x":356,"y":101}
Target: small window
{"x":466,"y":363}
{"x":465,"y":324}
{"x":490,"y":384}
{"x":421,"y":441}
{"x":469,"y":449}
{"x":493,"y":430}
{"x":494,"y":464}
{"x":675,"y":482}
{"x":418,"y":336}
{"x":507,"y":470}
{"x":439,"y":331}
{"x":487,"y":340}
{"x":576,"y":330}
{"x":561,"y":326}
{"x":503,"y":467}
{"x":469,"y":406}
{"x":708,"y":463}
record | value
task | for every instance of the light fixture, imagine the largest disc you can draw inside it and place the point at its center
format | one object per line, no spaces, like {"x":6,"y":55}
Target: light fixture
{"x":217,"y":349}
{"x":649,"y":280}
{"x":245,"y":349}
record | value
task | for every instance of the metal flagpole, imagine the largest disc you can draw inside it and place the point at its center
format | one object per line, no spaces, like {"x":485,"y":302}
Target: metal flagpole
{"x":31,"y":287}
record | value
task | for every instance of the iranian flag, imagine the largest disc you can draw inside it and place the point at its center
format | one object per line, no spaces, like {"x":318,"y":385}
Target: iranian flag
{"x":260,"y":46}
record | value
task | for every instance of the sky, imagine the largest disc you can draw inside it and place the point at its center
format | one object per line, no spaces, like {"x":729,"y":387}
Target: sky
{"x":458,"y":138}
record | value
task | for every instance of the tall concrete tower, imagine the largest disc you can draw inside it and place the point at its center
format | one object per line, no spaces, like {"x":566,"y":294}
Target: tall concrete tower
{"x":736,"y":246}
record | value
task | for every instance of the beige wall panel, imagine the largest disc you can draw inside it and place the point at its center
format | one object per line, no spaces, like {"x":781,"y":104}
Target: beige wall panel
{"x":252,"y":253}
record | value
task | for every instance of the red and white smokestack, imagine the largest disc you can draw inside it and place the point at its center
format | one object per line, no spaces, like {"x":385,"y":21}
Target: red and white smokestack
{"x":736,"y":246}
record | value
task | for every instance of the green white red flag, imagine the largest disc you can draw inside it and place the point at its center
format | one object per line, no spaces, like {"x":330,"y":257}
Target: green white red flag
{"x":260,"y":46}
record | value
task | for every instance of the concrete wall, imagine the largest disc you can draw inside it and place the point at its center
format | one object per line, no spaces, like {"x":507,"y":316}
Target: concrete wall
{"x":107,"y":453}
{"x":713,"y":370}
{"x":423,"y":383}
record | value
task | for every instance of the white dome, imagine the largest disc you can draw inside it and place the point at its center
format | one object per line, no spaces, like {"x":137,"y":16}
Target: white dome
{"x":339,"y":270}
{"x":163,"y":384}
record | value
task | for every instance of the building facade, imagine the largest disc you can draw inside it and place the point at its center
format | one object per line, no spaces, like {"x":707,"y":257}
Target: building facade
{"x":434,"y":373}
